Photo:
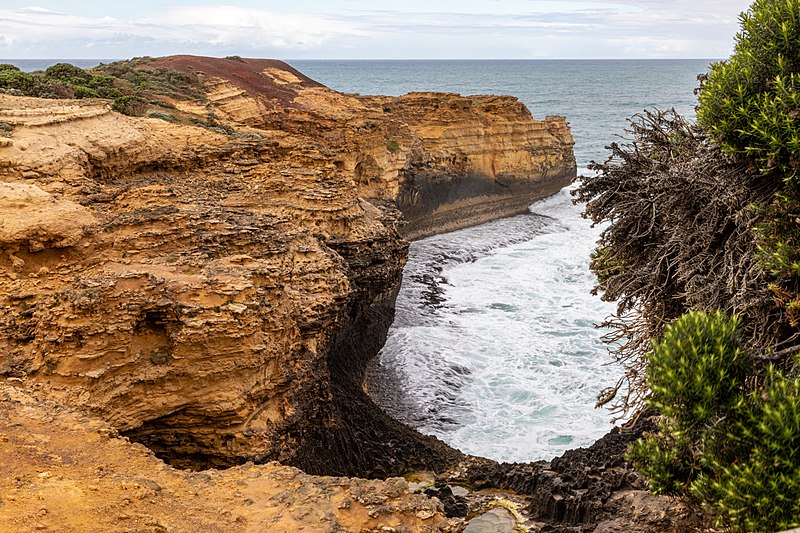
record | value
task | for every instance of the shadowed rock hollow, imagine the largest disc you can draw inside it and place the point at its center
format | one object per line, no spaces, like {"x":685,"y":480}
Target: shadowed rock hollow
{"x":215,"y":292}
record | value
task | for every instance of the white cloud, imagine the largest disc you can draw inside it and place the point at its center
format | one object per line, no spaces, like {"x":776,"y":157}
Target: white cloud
{"x":179,"y":29}
{"x":537,"y":28}
{"x":252,"y":28}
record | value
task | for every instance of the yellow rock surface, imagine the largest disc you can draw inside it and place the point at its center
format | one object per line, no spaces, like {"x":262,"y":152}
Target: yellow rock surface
{"x":216,"y":292}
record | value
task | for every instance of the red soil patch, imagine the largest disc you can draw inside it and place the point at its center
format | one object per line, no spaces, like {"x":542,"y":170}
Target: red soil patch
{"x":244,"y":73}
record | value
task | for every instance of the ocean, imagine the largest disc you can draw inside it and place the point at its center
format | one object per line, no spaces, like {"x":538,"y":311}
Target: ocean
{"x":494,"y":347}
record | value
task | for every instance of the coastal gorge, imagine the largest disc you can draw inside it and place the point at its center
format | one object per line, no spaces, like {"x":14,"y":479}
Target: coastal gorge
{"x":207,"y":274}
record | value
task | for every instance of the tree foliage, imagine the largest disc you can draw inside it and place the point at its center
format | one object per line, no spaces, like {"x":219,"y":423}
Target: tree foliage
{"x":751,"y":102}
{"x":703,"y":225}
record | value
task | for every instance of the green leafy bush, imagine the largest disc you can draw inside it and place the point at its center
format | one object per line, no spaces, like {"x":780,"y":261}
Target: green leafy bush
{"x":760,"y":489}
{"x":694,"y":374}
{"x":68,"y":73}
{"x":736,"y":452}
{"x":16,"y":80}
{"x":697,"y":368}
{"x":131,"y":105}
{"x":751,"y":103}
{"x":142,"y":77}
{"x":163,"y":116}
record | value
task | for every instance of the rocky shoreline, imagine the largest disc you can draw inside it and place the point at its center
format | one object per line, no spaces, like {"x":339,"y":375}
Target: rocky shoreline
{"x":212,"y":285}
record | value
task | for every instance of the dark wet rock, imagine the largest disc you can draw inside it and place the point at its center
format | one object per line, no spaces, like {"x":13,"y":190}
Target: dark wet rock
{"x":584,"y":490}
{"x":454,"y":506}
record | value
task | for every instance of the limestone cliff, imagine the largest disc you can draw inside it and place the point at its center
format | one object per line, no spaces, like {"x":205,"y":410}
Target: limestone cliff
{"x":214,"y":288}
{"x":447,"y":161}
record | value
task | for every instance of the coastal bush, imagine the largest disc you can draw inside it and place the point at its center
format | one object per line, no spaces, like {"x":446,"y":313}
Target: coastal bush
{"x":757,"y":488}
{"x":701,"y":218}
{"x":695,"y":374}
{"x":697,"y":368}
{"x":128,"y":83}
{"x":751,"y":103}
{"x":735,"y":452}
{"x":140,"y":77}
{"x":68,"y":73}
{"x":15,"y":79}
{"x":131,"y":105}
{"x":679,"y":234}
{"x":751,"y":106}
{"x":62,"y":80}
{"x":163,"y":116}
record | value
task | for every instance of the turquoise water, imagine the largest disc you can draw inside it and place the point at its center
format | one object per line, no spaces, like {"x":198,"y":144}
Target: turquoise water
{"x":494,"y":347}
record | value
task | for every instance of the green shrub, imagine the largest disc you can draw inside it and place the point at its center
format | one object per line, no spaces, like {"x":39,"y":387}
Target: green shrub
{"x":736,"y":453}
{"x":82,"y":91}
{"x":67,"y":73}
{"x":133,"y":106}
{"x":163,"y":116}
{"x":694,"y":374}
{"x":17,"y":80}
{"x":758,"y":489}
{"x":697,"y":368}
{"x":751,"y":103}
{"x":393,"y":146}
{"x":141,"y":77}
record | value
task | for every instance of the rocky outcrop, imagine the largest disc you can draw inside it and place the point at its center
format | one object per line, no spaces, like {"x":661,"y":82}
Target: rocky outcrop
{"x":186,"y":286}
{"x":586,"y":490}
{"x":65,"y":471}
{"x":445,"y":160}
{"x":495,"y":164}
{"x":214,"y":288}
{"x":211,"y":282}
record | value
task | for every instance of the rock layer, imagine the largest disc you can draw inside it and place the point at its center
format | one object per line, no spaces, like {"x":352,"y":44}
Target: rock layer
{"x":447,"y":161}
{"x":215,"y":293}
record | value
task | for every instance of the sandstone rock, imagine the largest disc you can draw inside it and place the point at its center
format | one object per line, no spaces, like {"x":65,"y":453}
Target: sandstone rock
{"x":31,"y":217}
{"x":98,"y":484}
{"x":215,"y":294}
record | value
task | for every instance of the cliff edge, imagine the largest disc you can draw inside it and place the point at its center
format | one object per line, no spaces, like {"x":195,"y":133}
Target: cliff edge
{"x":210,"y":276}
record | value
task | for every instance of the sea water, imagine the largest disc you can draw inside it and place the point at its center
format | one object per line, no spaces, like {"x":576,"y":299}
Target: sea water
{"x":494,"y":348}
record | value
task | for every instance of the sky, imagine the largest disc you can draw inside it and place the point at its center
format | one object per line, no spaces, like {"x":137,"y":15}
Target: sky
{"x":354,"y":29}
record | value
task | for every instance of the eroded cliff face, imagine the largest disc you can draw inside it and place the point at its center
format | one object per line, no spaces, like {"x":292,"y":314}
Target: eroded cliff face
{"x":447,"y":161}
{"x":216,"y":295}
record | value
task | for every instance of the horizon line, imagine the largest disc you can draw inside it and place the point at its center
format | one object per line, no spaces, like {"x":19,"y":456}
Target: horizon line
{"x":383,"y":59}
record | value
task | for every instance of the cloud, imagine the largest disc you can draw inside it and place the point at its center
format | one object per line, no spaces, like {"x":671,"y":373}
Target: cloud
{"x":535,"y":28}
{"x":179,"y":29}
{"x":252,"y":28}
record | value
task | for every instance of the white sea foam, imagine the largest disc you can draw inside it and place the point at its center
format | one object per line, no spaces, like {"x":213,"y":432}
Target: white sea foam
{"x":494,"y":348}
